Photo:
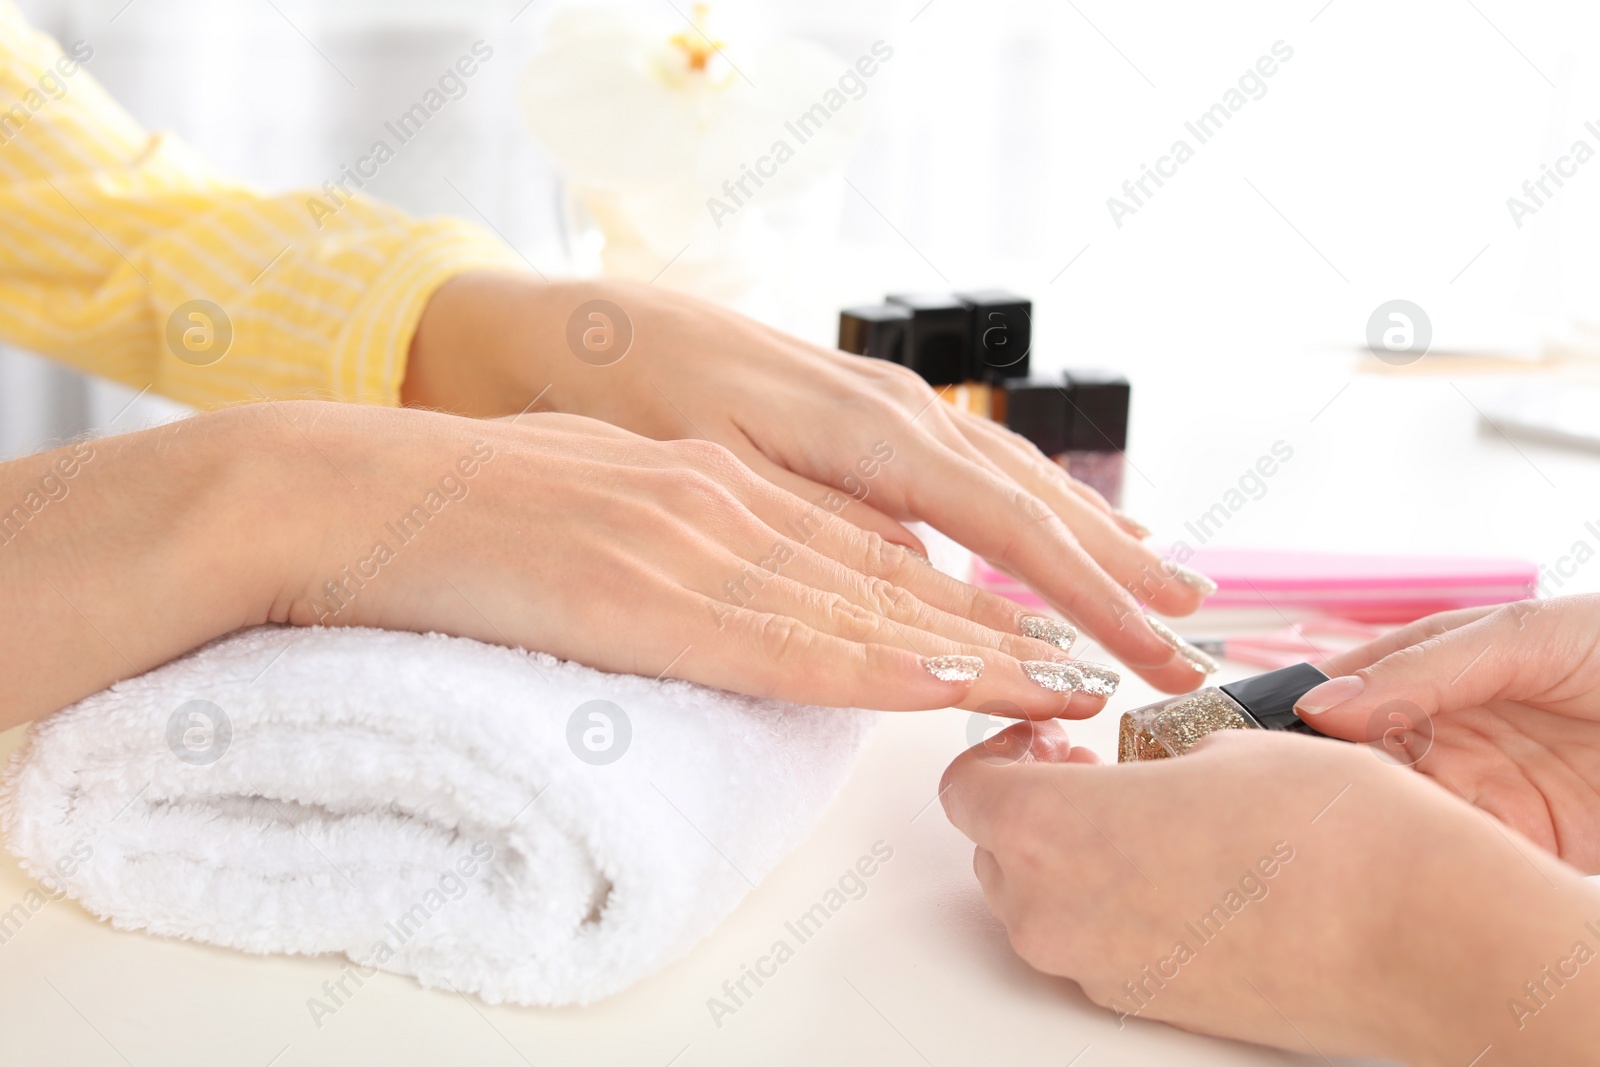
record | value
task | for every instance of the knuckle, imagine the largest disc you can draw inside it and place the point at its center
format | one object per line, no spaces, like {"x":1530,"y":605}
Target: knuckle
{"x":782,"y":639}
{"x":1100,"y":993}
{"x":878,"y":557}
{"x":1029,"y":934}
{"x":899,"y":383}
{"x":693,"y":490}
{"x":891,"y":601}
{"x":713,"y":460}
{"x":851,"y":621}
{"x":1032,"y":509}
{"x":703,"y":453}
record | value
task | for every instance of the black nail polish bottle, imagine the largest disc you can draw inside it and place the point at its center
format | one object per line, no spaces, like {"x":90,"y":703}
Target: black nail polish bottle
{"x":939,"y":348}
{"x":1002,"y":340}
{"x":1036,"y":408}
{"x":876,"y":330}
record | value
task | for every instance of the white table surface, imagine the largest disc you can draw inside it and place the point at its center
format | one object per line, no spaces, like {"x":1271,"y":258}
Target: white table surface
{"x":916,"y":972}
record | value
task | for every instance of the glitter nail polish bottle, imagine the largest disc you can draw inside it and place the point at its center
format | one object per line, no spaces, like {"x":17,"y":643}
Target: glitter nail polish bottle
{"x":1172,"y":726}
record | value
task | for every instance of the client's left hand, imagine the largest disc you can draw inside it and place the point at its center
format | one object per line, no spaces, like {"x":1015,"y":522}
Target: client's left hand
{"x":808,"y":419}
{"x":1279,"y":889}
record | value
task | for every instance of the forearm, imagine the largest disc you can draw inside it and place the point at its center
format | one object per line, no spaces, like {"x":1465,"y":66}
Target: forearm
{"x":1517,"y":968}
{"x":119,"y":554}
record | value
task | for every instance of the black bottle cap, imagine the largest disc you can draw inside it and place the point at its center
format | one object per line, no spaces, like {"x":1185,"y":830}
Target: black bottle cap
{"x":1037,"y":409}
{"x":1270,"y":697}
{"x":878,"y":331}
{"x":1002,"y":333}
{"x":1097,"y":403}
{"x":939,"y":341}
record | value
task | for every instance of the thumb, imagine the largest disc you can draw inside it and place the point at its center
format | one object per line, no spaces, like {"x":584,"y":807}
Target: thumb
{"x":1402,"y":692}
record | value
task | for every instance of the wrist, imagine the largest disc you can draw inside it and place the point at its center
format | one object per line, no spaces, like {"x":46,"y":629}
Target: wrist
{"x":489,"y":342}
{"x":146,"y":551}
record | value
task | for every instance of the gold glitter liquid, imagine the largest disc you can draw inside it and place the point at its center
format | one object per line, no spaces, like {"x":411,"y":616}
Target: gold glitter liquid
{"x":1173,"y":726}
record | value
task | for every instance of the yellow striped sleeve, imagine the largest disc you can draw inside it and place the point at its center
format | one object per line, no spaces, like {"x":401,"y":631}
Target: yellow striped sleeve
{"x":123,"y":255}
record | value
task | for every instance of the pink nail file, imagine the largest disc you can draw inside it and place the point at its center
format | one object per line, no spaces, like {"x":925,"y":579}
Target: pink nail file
{"x":1389,"y":589}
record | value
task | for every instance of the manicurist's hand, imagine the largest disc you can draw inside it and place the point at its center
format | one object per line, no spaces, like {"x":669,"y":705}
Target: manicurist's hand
{"x":1501,"y":706}
{"x":1286,"y":890}
{"x":549,"y":532}
{"x":809,"y":420}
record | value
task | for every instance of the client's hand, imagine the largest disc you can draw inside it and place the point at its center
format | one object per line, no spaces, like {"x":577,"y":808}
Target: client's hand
{"x":552,"y":532}
{"x":1285,"y":890}
{"x":1501,"y":706}
{"x":807,"y":419}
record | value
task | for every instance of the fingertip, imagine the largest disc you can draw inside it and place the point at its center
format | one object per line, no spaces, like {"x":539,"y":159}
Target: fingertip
{"x":1083,"y":706}
{"x":1035,"y":740}
{"x":1328,"y":695}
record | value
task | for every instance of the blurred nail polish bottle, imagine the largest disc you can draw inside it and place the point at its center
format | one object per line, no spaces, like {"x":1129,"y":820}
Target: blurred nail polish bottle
{"x":877,"y":330}
{"x":1002,"y":338}
{"x":1173,"y":726}
{"x":939,"y":348}
{"x":1097,"y":430}
{"x":1037,"y":409}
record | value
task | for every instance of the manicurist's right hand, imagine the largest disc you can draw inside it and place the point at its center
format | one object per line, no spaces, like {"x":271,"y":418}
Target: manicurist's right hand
{"x":550,"y":532}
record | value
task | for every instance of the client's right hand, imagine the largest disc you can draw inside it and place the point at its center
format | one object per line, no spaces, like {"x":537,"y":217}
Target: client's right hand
{"x":551,"y":532}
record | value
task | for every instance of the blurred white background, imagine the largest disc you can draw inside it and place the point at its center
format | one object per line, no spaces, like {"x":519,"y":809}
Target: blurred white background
{"x":1376,"y":166}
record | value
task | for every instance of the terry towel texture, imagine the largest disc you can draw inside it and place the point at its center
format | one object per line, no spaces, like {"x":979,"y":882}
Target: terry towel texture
{"x":427,"y":805}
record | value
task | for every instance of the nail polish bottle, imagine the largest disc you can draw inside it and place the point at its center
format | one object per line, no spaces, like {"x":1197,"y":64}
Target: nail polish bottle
{"x":877,"y":330}
{"x":1173,"y":726}
{"x":1037,"y":409}
{"x":939,"y":348}
{"x":1002,"y":338}
{"x":1097,"y":430}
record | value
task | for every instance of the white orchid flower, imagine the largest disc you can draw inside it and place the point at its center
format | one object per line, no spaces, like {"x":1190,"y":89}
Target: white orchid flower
{"x":672,"y":140}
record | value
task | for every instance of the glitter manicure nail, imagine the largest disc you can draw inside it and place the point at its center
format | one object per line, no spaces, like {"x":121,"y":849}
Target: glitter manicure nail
{"x":1098,"y":680}
{"x":1043,"y":628}
{"x":1131,"y":524}
{"x":1196,"y":659}
{"x":1056,"y":677}
{"x":1171,"y":727}
{"x":1194,"y":580}
{"x":954,"y":668}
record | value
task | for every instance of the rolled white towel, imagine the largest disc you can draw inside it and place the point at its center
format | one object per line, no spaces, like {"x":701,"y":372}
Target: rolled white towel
{"x":426,"y":805}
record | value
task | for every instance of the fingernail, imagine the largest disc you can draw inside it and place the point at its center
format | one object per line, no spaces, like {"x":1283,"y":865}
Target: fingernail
{"x":1056,"y":677}
{"x":1043,"y":628}
{"x":1330,"y":694}
{"x":954,"y":668}
{"x":1098,"y":679}
{"x":1131,"y":524}
{"x":1196,"y":659}
{"x":914,"y":552}
{"x":1194,"y":580}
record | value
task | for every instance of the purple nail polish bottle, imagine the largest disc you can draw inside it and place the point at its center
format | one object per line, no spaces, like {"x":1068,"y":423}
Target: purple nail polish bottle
{"x":1080,"y":420}
{"x":1097,"y":430}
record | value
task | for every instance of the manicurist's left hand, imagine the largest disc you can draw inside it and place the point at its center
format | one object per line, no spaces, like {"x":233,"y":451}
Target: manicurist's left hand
{"x":810,"y":420}
{"x":1280,"y":889}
